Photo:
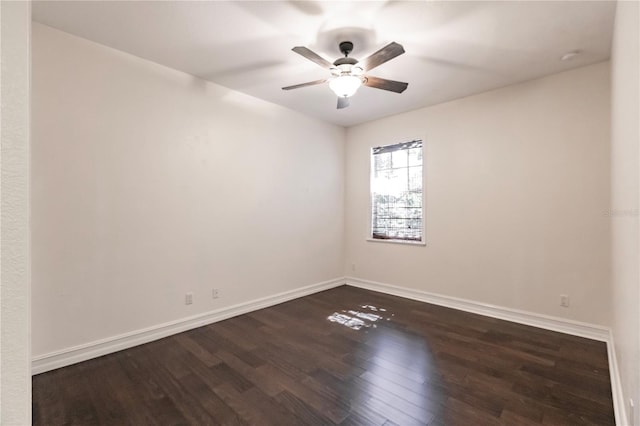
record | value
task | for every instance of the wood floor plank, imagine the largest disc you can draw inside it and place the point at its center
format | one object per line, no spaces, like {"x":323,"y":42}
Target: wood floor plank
{"x":269,"y":411}
{"x":334,"y":407}
{"x":153,"y":398}
{"x":220,"y":412}
{"x":257,"y":377}
{"x":306,"y":413}
{"x":345,"y":356}
{"x":191,"y":345}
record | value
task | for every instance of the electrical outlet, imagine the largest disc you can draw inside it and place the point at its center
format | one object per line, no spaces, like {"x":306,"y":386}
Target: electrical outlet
{"x":188,"y":298}
{"x":215,"y":293}
{"x":353,"y":267}
{"x":564,"y":300}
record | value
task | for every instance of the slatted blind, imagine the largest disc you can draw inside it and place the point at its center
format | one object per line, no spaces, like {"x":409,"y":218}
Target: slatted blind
{"x":396,"y":192}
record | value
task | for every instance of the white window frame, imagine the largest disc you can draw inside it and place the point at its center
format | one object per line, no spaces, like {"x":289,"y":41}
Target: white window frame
{"x":423,"y":242}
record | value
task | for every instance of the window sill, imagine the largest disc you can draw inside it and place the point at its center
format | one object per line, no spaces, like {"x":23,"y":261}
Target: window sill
{"x":410,"y":243}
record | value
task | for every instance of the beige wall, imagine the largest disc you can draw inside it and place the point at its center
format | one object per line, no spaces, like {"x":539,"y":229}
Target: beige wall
{"x":625,"y":141}
{"x":517,"y":190}
{"x":15,"y":355}
{"x":149,"y":183}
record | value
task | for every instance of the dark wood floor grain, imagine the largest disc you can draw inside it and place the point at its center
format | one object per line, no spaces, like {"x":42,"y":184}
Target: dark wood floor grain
{"x":341,"y":357}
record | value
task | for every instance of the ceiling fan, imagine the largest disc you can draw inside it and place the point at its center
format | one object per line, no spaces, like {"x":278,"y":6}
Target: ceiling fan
{"x":347,"y":74}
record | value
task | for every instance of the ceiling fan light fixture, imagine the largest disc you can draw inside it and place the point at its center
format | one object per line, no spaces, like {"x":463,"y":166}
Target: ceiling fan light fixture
{"x":348,"y":74}
{"x":345,"y":86}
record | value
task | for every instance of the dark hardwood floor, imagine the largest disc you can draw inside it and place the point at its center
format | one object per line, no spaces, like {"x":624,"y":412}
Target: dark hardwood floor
{"x":345,"y":356}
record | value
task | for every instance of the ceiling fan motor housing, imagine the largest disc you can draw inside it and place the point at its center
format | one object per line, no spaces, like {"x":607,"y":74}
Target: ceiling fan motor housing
{"x":345,"y":61}
{"x":346,"y":47}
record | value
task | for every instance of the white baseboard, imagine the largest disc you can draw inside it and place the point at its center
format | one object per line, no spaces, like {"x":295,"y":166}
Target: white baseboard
{"x":72,"y":355}
{"x":619,"y":403}
{"x":562,"y":325}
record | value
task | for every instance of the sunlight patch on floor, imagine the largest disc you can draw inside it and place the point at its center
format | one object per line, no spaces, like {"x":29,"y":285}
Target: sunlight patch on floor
{"x":357,"y":320}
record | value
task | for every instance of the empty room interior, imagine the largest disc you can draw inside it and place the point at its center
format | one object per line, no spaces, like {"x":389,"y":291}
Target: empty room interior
{"x":320,"y":212}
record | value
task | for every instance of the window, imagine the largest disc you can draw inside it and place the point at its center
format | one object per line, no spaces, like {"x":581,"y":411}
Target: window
{"x":396,"y":192}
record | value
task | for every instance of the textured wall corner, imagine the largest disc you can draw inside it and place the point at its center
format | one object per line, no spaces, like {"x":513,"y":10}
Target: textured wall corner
{"x":625,"y":199}
{"x":15,"y":354}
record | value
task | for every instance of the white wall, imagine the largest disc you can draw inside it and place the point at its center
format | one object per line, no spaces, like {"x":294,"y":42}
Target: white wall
{"x":149,"y":183}
{"x":625,"y":164}
{"x":15,"y":356}
{"x":517,"y":190}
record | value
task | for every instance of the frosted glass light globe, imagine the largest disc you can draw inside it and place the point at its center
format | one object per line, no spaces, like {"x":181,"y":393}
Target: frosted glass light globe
{"x":345,"y":86}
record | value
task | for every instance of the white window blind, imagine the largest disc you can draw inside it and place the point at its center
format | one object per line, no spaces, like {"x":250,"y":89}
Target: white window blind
{"x":396,"y":192}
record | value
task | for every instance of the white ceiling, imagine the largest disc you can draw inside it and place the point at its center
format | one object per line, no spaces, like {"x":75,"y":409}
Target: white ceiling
{"x":453,"y":49}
